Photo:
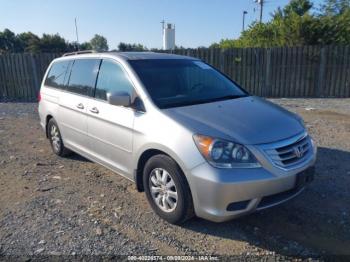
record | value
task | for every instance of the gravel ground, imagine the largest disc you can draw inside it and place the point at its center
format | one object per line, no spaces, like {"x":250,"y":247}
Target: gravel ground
{"x":71,"y":206}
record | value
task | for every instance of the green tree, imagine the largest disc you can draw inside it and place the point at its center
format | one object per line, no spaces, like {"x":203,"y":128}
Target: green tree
{"x":334,"y":22}
{"x":85,"y":46}
{"x":53,"y":43}
{"x":123,"y":47}
{"x":299,"y":7}
{"x":131,"y":47}
{"x":9,"y":42}
{"x":29,"y":42}
{"x":99,"y":43}
{"x":296,"y":25}
{"x":334,"y":7}
{"x":215,"y":45}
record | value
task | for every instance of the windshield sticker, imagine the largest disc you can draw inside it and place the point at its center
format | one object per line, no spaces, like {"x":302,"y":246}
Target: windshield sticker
{"x":202,"y":65}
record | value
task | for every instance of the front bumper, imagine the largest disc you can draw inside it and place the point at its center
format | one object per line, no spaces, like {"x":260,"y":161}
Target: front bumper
{"x":223,"y":194}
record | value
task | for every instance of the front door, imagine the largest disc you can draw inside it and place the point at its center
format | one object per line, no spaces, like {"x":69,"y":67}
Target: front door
{"x":110,"y":128}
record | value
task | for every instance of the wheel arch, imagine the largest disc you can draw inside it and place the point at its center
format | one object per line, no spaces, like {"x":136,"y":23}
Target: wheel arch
{"x":48,"y":117}
{"x":145,"y":155}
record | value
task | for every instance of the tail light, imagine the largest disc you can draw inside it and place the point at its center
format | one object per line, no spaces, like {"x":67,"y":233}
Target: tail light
{"x":39,"y":97}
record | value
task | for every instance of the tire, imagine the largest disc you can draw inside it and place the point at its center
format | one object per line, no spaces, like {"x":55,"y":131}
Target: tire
{"x":56,"y":140}
{"x":162,"y":166}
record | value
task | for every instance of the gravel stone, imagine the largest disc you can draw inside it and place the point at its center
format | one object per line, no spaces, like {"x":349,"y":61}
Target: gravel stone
{"x":71,"y":206}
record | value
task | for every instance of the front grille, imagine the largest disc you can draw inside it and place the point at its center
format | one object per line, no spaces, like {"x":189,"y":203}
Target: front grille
{"x":291,"y":154}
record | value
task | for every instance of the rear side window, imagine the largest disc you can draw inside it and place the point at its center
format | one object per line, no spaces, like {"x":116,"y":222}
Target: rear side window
{"x":83,"y":76}
{"x":112,"y":78}
{"x":58,"y":74}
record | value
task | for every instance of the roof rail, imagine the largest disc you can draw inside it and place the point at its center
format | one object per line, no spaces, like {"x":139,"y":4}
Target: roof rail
{"x":80,"y":52}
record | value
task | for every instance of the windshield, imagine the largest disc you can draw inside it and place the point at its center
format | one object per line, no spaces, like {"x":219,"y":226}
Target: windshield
{"x":181,"y":82}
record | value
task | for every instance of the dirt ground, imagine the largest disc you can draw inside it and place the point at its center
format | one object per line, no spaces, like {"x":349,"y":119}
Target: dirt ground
{"x":71,"y":206}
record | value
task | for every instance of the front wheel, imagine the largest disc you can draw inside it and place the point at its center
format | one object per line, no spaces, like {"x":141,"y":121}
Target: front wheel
{"x":167,"y":190}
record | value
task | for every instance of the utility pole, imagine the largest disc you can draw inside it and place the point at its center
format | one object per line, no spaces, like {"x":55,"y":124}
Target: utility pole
{"x":162,"y":22}
{"x":76,"y":32}
{"x":243,"y":25}
{"x":261,"y":3}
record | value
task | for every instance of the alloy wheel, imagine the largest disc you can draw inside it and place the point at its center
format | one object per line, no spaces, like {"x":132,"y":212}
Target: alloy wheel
{"x":55,"y":138}
{"x":163,"y":189}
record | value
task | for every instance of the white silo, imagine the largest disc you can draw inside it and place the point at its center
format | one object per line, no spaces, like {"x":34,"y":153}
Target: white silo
{"x":169,"y":37}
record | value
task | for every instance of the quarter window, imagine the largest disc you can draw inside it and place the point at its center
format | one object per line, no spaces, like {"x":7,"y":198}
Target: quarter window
{"x":58,"y":74}
{"x":83,"y":76}
{"x":111,"y":79}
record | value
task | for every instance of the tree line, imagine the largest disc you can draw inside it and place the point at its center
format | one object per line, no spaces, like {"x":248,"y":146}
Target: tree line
{"x":31,"y":43}
{"x":298,"y":23}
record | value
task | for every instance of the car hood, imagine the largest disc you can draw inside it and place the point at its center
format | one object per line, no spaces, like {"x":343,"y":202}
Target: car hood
{"x":246,"y":120}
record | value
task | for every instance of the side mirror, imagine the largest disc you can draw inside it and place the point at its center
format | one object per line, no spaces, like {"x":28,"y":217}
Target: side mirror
{"x":119,"y":99}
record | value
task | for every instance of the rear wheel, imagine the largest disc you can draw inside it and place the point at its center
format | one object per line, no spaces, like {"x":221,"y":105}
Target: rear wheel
{"x":55,"y":138}
{"x":167,"y":190}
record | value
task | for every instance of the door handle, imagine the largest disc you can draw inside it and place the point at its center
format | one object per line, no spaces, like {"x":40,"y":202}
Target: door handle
{"x":94,"y":110}
{"x":80,"y":106}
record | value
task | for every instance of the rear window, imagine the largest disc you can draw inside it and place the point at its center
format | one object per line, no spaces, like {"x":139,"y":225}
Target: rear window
{"x":58,"y":74}
{"x":83,"y":76}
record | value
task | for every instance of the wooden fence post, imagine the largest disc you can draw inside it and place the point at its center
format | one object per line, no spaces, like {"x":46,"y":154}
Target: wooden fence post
{"x":35,"y":73}
{"x":222,"y":59}
{"x":3,"y":81}
{"x":321,"y":74}
{"x":267,"y":84}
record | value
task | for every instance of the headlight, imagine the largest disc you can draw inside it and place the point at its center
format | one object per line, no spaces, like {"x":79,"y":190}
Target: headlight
{"x":225,"y":154}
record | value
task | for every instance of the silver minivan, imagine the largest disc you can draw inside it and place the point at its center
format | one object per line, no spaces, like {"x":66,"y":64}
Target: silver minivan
{"x":188,"y":136}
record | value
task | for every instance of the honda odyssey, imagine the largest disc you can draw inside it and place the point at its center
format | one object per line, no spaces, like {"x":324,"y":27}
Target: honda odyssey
{"x":189,"y":137}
